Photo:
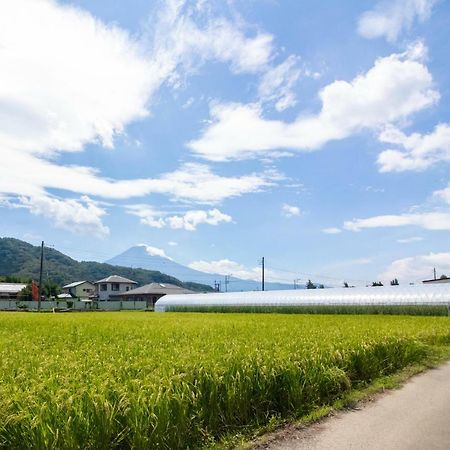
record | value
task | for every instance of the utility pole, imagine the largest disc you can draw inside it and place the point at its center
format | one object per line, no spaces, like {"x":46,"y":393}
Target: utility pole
{"x":434,"y":273}
{"x":296,"y":283}
{"x":217,"y":286}
{"x":227,"y":280}
{"x":40,"y":276}
{"x":262,"y":274}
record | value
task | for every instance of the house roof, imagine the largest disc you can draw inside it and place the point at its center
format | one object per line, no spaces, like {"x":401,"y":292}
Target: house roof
{"x":75,"y":283}
{"x":115,"y":279}
{"x":11,"y":288}
{"x":157,"y":288}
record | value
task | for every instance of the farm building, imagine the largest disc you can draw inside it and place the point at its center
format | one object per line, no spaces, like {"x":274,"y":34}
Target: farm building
{"x":153,"y":291}
{"x":441,"y":280}
{"x":10,"y":291}
{"x":386,"y":295}
{"x":111,"y":287}
{"x":79,"y":289}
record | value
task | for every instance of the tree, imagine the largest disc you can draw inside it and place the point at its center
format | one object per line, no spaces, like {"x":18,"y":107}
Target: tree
{"x":443,"y":277}
{"x":377,"y":283}
{"x":25,"y":293}
{"x":346,"y":284}
{"x":321,"y":286}
{"x":394,"y":282}
{"x":310,"y":285}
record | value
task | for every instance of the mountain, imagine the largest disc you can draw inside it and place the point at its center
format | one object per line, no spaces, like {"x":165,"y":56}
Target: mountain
{"x":21,"y":259}
{"x":143,"y":257}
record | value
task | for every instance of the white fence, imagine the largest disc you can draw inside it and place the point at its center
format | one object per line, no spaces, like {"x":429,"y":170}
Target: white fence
{"x":17,"y":305}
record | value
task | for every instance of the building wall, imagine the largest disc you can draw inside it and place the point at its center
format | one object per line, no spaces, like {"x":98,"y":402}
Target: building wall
{"x":16,"y":305}
{"x":106,"y":295}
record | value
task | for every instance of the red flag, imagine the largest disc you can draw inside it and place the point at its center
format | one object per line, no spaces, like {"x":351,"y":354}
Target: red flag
{"x":34,"y":291}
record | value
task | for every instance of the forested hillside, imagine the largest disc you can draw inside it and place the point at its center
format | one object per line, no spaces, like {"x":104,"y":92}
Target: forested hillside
{"x":21,"y":259}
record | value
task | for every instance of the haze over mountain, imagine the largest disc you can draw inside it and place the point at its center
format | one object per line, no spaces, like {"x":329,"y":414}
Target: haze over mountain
{"x":146,"y":257}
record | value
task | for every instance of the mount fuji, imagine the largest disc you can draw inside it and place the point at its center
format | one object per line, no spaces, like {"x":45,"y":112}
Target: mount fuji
{"x":145,"y":257}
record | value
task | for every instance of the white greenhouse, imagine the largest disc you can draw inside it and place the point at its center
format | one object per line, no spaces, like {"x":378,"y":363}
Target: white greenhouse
{"x":367,"y":296}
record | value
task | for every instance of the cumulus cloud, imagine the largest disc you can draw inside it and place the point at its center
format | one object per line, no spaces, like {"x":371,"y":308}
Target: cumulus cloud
{"x":154,"y":251}
{"x":390,"y":18}
{"x":417,"y":268}
{"x":290,"y":210}
{"x":426,"y":220}
{"x":188,"y":220}
{"x":417,"y":151}
{"x":81,"y":216}
{"x":394,"y":88}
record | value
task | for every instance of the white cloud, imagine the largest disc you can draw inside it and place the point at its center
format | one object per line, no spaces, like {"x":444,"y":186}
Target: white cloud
{"x":410,"y":240}
{"x":427,"y":220}
{"x":394,"y":88}
{"x":188,"y":220}
{"x":277,"y":84}
{"x":187,"y":36}
{"x":173,"y":243}
{"x":332,"y":230}
{"x":290,"y":210}
{"x":81,"y":216}
{"x":56,"y":88}
{"x":229,"y":267}
{"x":418,"y":151}
{"x":57,"y":95}
{"x":155,"y":251}
{"x":417,"y":268}
{"x":443,"y":194}
{"x":390,"y":18}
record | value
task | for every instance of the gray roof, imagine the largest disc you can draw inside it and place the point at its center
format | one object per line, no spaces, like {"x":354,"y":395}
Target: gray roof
{"x":75,"y":283}
{"x":11,"y":288}
{"x":115,"y":279}
{"x":157,"y":288}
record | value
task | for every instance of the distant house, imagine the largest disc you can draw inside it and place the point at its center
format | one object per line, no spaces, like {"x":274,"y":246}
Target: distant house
{"x":10,"y":291}
{"x":152,"y":292}
{"x":111,"y":287}
{"x":79,"y":289}
{"x":443,"y":279}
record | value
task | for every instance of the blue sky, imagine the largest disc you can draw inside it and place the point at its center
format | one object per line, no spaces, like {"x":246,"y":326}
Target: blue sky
{"x":315,"y":134}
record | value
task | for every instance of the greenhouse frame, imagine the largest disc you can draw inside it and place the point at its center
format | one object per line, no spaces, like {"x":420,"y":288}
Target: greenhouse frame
{"x":411,"y":295}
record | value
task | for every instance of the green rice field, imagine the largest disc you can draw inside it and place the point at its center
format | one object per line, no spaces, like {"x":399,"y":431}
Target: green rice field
{"x":184,"y":380}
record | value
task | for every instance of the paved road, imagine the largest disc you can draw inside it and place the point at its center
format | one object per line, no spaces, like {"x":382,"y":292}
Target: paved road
{"x":417,"y":416}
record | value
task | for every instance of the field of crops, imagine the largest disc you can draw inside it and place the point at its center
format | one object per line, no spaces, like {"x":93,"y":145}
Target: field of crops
{"x":175,"y":381}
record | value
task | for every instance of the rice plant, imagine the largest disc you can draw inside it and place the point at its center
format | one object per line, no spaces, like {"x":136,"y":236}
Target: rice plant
{"x":177,"y":381}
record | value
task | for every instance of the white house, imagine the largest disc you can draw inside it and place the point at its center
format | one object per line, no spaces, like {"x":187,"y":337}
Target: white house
{"x":113,"y":286}
{"x":79,"y":289}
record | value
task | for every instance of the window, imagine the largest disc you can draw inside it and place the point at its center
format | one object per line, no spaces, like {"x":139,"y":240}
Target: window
{"x":115,"y":286}
{"x":104,"y":287}
{"x":128,"y":288}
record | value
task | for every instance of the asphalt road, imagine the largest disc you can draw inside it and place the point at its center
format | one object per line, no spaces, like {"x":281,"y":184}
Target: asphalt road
{"x":417,"y":416}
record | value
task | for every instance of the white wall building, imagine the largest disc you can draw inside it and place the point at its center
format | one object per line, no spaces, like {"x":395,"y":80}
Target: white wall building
{"x":109,"y":288}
